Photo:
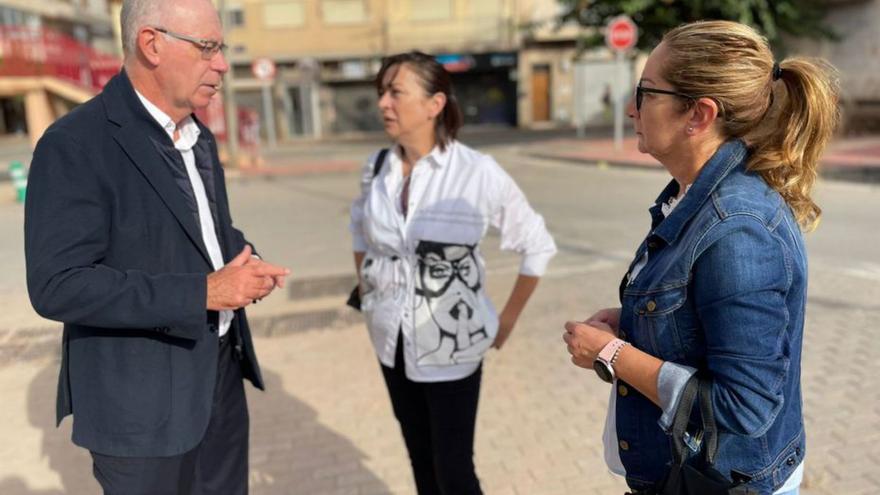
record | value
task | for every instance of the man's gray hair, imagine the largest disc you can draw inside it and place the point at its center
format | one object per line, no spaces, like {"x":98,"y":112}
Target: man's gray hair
{"x":135,"y":15}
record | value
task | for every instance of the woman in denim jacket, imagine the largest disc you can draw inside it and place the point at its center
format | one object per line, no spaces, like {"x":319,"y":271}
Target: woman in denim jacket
{"x":719,"y":284}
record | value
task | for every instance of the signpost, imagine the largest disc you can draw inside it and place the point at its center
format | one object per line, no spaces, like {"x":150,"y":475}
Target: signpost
{"x":264,"y":70}
{"x":621,"y":35}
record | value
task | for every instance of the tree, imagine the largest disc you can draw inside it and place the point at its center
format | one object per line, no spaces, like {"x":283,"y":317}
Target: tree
{"x":773,"y":18}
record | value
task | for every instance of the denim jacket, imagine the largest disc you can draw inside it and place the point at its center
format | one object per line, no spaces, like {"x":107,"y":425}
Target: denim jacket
{"x":723,"y":291}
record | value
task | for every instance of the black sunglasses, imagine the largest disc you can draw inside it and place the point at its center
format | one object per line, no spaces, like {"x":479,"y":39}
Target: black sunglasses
{"x":641,"y":90}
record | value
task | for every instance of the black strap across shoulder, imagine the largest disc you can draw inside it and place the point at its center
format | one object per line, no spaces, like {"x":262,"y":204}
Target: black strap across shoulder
{"x":380,"y":160}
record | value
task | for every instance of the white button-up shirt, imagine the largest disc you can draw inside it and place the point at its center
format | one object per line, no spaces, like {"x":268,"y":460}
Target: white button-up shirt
{"x":188,"y":136}
{"x":424,"y":274}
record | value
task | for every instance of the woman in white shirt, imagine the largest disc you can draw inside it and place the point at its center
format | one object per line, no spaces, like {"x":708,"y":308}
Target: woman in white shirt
{"x":416,"y":229}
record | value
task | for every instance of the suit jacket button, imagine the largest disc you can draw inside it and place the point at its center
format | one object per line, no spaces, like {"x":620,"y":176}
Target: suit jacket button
{"x":212,"y":328}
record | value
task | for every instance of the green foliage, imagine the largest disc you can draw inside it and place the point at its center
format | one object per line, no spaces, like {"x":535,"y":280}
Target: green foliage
{"x":773,"y":18}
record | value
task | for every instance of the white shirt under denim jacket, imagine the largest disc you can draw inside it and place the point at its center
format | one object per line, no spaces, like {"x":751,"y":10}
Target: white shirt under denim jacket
{"x":424,"y":274}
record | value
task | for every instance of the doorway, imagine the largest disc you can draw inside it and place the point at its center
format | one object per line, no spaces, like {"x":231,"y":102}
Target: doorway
{"x":541,"y":93}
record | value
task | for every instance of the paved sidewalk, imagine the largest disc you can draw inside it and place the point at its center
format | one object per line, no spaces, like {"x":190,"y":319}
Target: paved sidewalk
{"x":847,"y":158}
{"x":325,"y":426}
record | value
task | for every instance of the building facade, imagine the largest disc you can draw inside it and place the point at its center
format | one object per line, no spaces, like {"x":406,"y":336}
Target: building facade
{"x":327,"y":53}
{"x":55,"y":54}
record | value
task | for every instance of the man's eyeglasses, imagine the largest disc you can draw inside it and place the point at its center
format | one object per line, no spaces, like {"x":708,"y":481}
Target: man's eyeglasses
{"x":641,"y":90}
{"x":209,"y":48}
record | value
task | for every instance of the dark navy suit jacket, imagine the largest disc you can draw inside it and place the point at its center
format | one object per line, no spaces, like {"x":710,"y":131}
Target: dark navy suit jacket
{"x":115,"y":252}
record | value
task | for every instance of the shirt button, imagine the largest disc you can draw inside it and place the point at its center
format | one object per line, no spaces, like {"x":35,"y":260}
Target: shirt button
{"x":622,"y":390}
{"x":624,"y":445}
{"x":652,"y":244}
{"x":651,"y":306}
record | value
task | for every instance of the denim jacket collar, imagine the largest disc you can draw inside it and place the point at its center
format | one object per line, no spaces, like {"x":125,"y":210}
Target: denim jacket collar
{"x":729,"y":156}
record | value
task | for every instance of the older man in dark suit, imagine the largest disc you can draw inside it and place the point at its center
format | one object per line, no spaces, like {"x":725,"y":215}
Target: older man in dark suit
{"x":130,"y":243}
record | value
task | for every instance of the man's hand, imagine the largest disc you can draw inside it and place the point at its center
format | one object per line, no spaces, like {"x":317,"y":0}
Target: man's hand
{"x":277,"y":280}
{"x":243,"y":281}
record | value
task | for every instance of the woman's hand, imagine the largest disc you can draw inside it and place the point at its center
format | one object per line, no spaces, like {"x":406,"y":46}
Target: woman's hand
{"x":506,"y":322}
{"x":586,"y":339}
{"x":608,"y":316}
{"x":522,"y":291}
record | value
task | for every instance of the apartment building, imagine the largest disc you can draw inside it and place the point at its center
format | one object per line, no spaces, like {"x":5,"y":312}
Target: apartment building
{"x":55,"y":54}
{"x":327,"y":53}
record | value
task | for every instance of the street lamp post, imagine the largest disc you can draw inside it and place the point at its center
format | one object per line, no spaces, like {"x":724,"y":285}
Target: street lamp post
{"x":229,"y":107}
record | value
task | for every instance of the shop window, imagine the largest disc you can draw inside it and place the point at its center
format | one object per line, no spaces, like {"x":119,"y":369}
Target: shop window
{"x":344,"y":11}
{"x":281,"y":14}
{"x":430,"y":10}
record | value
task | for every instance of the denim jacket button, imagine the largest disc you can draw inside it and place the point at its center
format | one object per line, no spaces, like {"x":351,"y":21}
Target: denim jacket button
{"x":622,"y":390}
{"x":624,"y":445}
{"x":651,"y":306}
{"x":790,"y":461}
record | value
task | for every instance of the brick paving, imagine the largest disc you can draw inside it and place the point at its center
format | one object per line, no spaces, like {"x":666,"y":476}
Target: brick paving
{"x":325,"y":426}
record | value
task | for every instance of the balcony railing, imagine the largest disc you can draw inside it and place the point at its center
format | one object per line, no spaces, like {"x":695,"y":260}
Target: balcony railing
{"x":26,"y":51}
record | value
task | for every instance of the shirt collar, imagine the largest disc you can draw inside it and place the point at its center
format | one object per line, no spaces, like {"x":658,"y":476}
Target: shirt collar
{"x":189,"y":131}
{"x":436,"y":157}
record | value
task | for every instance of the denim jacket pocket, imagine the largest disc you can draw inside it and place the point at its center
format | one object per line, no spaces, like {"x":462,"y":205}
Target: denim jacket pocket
{"x":663,"y":323}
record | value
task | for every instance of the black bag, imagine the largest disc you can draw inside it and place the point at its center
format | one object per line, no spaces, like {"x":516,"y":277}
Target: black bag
{"x":695,"y":475}
{"x":354,"y":299}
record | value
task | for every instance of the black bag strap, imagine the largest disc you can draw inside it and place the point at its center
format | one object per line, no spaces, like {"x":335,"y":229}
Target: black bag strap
{"x":699,"y":390}
{"x":710,"y":429}
{"x":681,"y":419}
{"x":380,"y":160}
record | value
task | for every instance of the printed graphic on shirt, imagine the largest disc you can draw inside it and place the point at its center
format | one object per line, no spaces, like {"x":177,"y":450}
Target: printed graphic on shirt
{"x":449,"y":319}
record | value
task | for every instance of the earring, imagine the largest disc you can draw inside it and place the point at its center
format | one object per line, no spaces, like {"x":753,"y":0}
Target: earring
{"x":690,"y":130}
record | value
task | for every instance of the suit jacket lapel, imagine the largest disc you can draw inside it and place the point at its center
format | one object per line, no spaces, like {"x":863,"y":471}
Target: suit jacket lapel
{"x":133,"y":136}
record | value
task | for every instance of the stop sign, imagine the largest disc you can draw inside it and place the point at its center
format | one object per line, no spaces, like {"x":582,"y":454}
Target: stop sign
{"x":621,"y":33}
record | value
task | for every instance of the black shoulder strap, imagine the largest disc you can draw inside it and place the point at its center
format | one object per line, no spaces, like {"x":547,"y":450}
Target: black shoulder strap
{"x":380,"y":160}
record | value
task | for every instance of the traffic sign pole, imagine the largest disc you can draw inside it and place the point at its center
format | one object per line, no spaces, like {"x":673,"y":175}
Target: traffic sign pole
{"x":621,"y":34}
{"x":264,"y":70}
{"x":269,"y":112}
{"x":618,"y":102}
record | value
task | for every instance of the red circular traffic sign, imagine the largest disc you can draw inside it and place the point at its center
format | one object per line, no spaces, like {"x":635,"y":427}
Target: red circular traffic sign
{"x":263,"y":69}
{"x":621,"y":33}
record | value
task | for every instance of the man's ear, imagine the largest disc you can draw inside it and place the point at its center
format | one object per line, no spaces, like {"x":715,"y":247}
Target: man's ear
{"x":148,"y":45}
{"x":705,"y":113}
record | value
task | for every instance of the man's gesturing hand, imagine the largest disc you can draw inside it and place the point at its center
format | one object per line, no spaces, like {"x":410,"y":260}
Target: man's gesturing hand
{"x":239,"y":283}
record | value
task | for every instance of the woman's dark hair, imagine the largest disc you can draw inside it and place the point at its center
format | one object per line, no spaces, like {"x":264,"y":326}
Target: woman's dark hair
{"x":434,"y":79}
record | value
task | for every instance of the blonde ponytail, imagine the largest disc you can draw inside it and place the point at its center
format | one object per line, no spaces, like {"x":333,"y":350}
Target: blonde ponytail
{"x":786,"y":115}
{"x":788,"y":143}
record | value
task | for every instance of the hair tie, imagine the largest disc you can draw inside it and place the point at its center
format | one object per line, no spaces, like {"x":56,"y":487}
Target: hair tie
{"x":777,"y":71}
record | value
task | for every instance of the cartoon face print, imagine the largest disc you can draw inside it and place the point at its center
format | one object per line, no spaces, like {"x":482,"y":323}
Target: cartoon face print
{"x":450,"y":322}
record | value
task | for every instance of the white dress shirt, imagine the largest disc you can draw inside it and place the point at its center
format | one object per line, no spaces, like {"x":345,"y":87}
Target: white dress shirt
{"x":424,"y":274}
{"x":187,"y":137}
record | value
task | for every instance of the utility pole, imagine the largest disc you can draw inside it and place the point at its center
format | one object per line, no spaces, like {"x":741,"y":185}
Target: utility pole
{"x":230,"y":109}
